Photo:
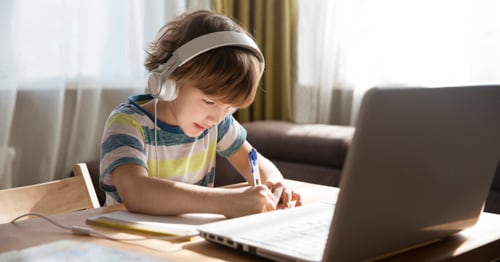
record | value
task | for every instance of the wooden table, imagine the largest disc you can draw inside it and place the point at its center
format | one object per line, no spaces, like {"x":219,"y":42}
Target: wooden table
{"x":479,"y":243}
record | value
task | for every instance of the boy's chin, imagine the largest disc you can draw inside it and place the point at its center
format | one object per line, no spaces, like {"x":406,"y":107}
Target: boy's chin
{"x":193,"y":134}
{"x":193,"y":131}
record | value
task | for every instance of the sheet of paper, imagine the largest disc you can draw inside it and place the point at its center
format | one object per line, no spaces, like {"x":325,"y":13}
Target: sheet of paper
{"x":182,"y":225}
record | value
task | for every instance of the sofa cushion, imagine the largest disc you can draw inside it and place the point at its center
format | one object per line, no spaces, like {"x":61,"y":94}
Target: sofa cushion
{"x":226,"y":174}
{"x":309,"y":173}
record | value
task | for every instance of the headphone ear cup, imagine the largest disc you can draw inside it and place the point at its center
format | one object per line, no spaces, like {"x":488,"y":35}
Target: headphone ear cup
{"x":154,"y":84}
{"x":162,"y":89}
{"x":168,"y":90}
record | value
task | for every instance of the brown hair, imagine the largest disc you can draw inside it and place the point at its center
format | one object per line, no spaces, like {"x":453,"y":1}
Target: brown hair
{"x":230,"y":74}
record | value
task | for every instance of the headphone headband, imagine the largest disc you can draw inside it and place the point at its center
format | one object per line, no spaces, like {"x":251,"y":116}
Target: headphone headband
{"x":193,"y":48}
{"x":206,"y":43}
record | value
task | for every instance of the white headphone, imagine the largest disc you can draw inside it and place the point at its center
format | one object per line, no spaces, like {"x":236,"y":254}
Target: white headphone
{"x":159,"y":83}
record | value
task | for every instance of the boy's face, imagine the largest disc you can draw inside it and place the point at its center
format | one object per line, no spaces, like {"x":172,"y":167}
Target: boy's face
{"x":193,"y":111}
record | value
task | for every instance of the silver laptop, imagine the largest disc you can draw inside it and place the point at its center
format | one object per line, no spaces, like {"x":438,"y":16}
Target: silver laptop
{"x":419,"y":169}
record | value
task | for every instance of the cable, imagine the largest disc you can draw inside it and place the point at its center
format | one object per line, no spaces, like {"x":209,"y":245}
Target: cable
{"x":156,"y":139}
{"x":79,"y":230}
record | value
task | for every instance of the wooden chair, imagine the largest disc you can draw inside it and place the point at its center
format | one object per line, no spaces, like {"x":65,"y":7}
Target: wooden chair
{"x":93,"y":167}
{"x":55,"y":197}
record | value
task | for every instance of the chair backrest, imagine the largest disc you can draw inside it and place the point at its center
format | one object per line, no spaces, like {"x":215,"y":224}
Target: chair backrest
{"x":93,"y":167}
{"x":55,"y":197}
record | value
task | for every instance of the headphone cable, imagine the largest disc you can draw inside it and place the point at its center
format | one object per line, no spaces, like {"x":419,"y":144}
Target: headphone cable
{"x":156,"y":139}
{"x":79,"y":230}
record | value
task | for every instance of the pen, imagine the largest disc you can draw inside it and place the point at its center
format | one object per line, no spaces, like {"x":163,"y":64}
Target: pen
{"x":254,"y":167}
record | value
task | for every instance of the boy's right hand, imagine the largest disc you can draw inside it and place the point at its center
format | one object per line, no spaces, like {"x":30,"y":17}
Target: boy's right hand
{"x":248,"y":201}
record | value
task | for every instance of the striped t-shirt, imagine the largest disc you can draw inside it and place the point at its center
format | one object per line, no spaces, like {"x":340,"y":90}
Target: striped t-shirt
{"x":129,"y":138}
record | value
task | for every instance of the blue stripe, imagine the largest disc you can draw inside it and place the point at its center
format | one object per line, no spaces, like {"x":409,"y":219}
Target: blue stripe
{"x":112,"y":191}
{"x":208,"y":179}
{"x":223,"y":126}
{"x":138,"y":100}
{"x":236,"y":144}
{"x":119,"y":162}
{"x":167,"y":138}
{"x":115,"y":141}
{"x":130,"y":109}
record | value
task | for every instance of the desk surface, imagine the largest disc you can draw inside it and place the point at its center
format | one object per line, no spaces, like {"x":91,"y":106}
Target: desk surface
{"x":480,"y":243}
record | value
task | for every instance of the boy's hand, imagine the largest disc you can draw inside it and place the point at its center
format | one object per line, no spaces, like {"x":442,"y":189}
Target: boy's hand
{"x":248,"y":201}
{"x":284,"y":196}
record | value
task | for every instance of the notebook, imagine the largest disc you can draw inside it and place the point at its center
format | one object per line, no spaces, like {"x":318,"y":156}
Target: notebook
{"x":419,"y":168}
{"x":182,"y":225}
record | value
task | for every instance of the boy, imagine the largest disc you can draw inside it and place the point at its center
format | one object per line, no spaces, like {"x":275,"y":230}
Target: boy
{"x":158,"y":151}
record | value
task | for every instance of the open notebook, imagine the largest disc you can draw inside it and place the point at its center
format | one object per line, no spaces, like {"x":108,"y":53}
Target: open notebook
{"x":418,"y":169}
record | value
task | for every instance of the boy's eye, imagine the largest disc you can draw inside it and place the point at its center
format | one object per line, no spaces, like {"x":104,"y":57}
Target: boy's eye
{"x":208,"y":102}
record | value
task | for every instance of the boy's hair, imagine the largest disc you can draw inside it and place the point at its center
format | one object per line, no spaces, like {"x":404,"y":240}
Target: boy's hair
{"x":229,"y":74}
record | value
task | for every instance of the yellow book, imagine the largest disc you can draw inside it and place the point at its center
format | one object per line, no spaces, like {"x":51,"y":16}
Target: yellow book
{"x":181,"y":225}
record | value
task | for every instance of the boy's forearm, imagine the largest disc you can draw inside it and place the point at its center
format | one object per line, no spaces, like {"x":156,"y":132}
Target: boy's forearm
{"x":162,"y":197}
{"x":269,"y":172}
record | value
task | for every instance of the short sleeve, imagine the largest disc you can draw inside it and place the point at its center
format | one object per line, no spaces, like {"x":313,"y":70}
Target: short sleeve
{"x":230,"y":136}
{"x":122,"y":143}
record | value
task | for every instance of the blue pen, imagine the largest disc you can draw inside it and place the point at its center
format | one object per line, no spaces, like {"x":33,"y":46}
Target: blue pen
{"x":254,"y":167}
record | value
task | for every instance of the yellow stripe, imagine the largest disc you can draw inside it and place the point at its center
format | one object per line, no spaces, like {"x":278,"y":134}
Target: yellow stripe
{"x":182,"y":166}
{"x":124,"y":119}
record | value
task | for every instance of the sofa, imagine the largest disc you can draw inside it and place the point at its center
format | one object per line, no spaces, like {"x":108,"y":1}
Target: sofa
{"x":312,"y":153}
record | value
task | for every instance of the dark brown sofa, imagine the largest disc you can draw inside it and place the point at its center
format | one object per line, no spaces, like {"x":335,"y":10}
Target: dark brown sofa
{"x":306,"y":152}
{"x":312,"y":153}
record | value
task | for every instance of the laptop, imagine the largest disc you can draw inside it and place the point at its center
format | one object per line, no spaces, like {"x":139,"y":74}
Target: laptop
{"x":419,"y":168}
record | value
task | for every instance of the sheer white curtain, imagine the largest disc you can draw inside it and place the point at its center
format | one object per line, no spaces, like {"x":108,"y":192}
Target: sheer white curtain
{"x":348,"y":46}
{"x":64,"y":65}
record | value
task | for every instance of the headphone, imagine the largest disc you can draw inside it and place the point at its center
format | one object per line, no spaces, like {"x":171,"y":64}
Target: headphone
{"x":159,"y":83}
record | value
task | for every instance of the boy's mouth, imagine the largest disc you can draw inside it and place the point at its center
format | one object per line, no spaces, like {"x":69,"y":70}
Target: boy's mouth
{"x":200,"y":127}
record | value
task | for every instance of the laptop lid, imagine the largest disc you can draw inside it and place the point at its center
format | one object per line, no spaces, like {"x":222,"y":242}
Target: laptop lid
{"x":419,"y":168}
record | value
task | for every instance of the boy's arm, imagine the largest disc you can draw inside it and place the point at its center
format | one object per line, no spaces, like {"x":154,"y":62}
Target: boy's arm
{"x":151,"y":195}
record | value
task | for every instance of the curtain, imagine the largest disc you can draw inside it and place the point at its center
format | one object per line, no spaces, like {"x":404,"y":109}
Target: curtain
{"x":64,"y":66}
{"x":273,"y":24}
{"x":348,"y":46}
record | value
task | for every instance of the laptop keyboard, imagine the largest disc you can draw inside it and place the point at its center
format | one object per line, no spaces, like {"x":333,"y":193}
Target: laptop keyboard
{"x":306,"y":237}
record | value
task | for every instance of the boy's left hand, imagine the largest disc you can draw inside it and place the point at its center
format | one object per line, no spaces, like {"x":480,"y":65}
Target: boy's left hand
{"x":285,"y":197}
